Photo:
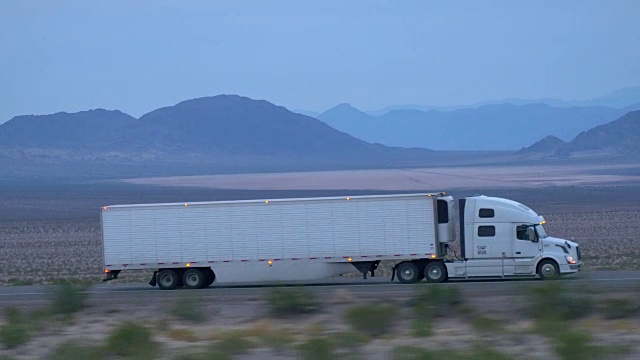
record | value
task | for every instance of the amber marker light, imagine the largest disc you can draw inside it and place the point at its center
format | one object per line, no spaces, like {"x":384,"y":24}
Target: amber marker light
{"x":106,"y":270}
{"x":188,"y":264}
{"x":433,"y":256}
{"x":270,"y":262}
{"x":266,"y":201}
{"x":349,"y":259}
{"x":348,"y":198}
{"x":186,"y":204}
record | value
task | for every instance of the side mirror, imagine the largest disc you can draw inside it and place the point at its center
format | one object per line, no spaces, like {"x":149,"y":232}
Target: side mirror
{"x":531,"y":233}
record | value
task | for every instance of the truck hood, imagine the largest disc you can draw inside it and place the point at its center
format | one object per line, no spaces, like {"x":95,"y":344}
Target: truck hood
{"x":558,"y":241}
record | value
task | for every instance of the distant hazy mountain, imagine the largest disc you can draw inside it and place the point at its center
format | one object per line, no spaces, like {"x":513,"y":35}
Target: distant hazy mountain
{"x":619,"y":137}
{"x":310,"y":113}
{"x":489,"y":127}
{"x":617,"y":99}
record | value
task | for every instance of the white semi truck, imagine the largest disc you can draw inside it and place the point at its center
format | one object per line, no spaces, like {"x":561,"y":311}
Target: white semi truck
{"x":195,"y":244}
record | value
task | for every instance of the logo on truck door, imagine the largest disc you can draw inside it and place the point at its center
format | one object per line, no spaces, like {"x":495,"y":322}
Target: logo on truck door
{"x":481,"y":249}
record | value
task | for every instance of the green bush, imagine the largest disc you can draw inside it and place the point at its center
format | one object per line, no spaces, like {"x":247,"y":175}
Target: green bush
{"x":15,"y":331}
{"x":316,"y":349}
{"x":557,"y":300}
{"x":132,"y":341}
{"x":372,"y":319}
{"x":68,"y":299}
{"x":292,"y":301}
{"x":486,"y":324}
{"x":579,"y":345}
{"x":620,"y":308}
{"x":436,"y":300}
{"x":576,"y":345}
{"x":421,"y":327}
{"x":190,"y":309}
{"x":350,"y":341}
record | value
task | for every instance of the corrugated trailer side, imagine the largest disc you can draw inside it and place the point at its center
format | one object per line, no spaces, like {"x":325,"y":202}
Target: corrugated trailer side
{"x":238,"y":238}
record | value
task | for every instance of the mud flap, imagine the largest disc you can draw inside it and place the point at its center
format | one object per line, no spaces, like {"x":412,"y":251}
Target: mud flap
{"x":112,"y":275}
{"x":153,"y":282}
{"x":393,"y":272}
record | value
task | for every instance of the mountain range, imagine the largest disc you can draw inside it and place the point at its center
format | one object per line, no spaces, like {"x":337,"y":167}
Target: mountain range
{"x":617,"y":99}
{"x":618,"y":137}
{"x":230,"y":133}
{"x":489,"y":127}
{"x":226,"y":131}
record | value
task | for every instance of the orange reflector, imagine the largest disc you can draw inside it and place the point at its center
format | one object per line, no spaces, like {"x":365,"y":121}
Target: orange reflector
{"x":188,"y":264}
{"x":106,"y":270}
{"x":270,"y":262}
{"x":349,"y":259}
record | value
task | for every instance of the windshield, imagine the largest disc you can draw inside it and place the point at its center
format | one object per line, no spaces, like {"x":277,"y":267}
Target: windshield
{"x":541,"y":233}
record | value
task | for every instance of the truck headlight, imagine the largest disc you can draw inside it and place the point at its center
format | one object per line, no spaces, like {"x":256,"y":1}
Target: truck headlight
{"x":570,"y":259}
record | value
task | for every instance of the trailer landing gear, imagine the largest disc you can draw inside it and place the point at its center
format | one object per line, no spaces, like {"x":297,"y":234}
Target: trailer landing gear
{"x":366,"y":267}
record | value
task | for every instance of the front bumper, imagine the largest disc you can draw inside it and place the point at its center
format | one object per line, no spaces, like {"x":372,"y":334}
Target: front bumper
{"x":571,"y":268}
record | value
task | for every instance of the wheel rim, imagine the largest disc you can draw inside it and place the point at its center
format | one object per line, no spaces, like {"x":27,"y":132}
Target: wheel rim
{"x":407,"y":273}
{"x":434,"y":273}
{"x":192,"y":279}
{"x":548,"y":270}
{"x":166,"y":280}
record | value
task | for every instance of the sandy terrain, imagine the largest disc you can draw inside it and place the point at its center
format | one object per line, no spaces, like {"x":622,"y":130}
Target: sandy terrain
{"x":434,"y":179}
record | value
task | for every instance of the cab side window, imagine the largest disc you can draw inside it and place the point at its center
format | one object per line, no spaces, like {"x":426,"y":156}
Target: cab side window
{"x":521,"y":232}
{"x":486,"y":231}
{"x":486,"y":213}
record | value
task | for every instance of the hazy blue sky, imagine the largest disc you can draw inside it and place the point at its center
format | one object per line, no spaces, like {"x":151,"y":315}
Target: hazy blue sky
{"x":139,"y":55}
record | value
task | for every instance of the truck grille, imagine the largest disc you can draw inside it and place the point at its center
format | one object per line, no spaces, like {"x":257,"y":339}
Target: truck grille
{"x":578,"y":252}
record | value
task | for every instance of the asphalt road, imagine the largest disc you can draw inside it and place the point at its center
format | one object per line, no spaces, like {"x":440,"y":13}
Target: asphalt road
{"x":378,"y":288}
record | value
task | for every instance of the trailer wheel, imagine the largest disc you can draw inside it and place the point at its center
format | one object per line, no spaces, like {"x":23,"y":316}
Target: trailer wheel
{"x":210,"y":277}
{"x":435,"y":272}
{"x":193,"y":279}
{"x":167,"y":279}
{"x":408,"y":272}
{"x":548,"y":270}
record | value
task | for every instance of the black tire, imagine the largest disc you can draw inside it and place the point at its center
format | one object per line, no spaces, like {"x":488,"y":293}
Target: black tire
{"x":548,"y":270}
{"x":193,"y":279}
{"x":167,"y":279}
{"x":210,"y":276}
{"x":407,"y":272}
{"x":435,"y":272}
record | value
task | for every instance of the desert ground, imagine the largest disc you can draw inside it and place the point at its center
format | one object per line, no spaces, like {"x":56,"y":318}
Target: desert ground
{"x":50,"y":234}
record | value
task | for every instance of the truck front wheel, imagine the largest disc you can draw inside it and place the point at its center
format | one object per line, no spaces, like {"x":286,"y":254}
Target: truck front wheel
{"x":435,"y":272}
{"x":408,"y":272}
{"x":548,"y":270}
{"x":167,"y":279}
{"x":193,"y":279}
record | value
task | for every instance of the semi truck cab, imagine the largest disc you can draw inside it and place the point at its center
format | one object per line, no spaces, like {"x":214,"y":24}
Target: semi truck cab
{"x":503,"y":238}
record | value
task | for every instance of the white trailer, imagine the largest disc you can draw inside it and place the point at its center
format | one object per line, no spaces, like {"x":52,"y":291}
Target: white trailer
{"x":195,"y":244}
